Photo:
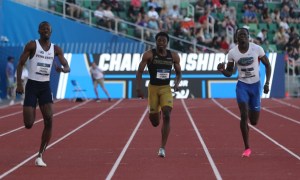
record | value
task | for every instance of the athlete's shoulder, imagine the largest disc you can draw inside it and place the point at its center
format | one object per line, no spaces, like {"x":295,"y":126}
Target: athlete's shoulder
{"x":148,"y":53}
{"x":256,"y":48}
{"x":233,"y":50}
{"x":253,"y":45}
{"x":174,"y":54}
{"x":31,"y":42}
{"x":56,"y":48}
{"x":31,"y":45}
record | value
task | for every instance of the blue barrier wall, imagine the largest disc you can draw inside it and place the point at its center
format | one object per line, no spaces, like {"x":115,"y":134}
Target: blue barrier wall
{"x":1,"y":17}
{"x":19,"y":23}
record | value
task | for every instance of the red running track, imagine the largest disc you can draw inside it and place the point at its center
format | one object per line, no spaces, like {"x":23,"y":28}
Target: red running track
{"x":114,"y":140}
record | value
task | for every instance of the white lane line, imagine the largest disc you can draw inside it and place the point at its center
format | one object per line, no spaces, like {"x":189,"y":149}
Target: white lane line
{"x":210,"y":159}
{"x":11,"y":114}
{"x":285,"y":103}
{"x":18,"y":112}
{"x":280,"y":115}
{"x":39,"y":120}
{"x":117,"y":163}
{"x":257,"y":130}
{"x":60,"y":139}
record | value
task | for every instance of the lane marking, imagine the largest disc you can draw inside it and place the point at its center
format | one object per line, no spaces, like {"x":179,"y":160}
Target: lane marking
{"x":257,"y":130}
{"x":11,"y":114}
{"x":117,"y":163}
{"x":39,"y":120}
{"x":210,"y":159}
{"x":60,"y":139}
{"x":18,"y":112}
{"x":285,"y":103}
{"x":280,"y":115}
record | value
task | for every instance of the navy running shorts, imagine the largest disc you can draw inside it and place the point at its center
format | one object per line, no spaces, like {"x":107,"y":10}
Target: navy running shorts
{"x":37,"y":92}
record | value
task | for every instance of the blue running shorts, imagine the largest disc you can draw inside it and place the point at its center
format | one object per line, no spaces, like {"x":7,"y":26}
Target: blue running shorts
{"x":249,"y":94}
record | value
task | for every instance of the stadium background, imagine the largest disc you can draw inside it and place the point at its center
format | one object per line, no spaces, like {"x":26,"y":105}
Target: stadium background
{"x":84,"y":44}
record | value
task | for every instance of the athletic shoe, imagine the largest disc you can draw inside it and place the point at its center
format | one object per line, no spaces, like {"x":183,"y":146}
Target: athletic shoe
{"x":39,"y":162}
{"x":246,"y":153}
{"x":161,"y":152}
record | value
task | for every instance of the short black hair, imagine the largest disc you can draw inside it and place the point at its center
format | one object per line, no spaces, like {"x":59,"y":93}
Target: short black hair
{"x":242,"y":28}
{"x":162,"y":34}
{"x":42,"y":23}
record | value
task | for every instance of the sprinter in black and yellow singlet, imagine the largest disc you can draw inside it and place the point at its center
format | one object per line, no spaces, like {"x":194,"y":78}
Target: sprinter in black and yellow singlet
{"x":160,"y":62}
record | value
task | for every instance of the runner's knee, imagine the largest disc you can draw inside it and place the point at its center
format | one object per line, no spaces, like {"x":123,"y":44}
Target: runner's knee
{"x":253,"y":116}
{"x":154,"y":122}
{"x":154,"y":118}
{"x":28,"y":124}
{"x":253,"y":122}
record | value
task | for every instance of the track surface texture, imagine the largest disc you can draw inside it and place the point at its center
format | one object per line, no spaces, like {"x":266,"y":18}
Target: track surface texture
{"x":115,"y":140}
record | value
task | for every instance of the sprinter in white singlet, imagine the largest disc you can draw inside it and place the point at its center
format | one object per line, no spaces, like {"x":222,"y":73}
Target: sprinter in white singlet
{"x":40,"y":55}
{"x":246,"y":56}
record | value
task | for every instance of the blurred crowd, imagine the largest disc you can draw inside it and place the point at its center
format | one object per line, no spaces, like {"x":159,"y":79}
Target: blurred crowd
{"x":212,"y":23}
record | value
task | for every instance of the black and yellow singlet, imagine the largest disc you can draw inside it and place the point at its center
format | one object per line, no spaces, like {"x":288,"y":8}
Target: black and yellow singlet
{"x":160,"y":68}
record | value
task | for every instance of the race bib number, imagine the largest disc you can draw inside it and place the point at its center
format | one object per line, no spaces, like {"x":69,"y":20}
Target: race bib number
{"x":247,"y":73}
{"x":163,"y":74}
{"x":43,"y":69}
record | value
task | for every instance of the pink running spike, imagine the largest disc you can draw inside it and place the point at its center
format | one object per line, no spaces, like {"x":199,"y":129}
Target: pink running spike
{"x":246,"y":153}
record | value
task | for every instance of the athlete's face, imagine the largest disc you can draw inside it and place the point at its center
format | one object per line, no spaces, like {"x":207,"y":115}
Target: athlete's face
{"x":242,"y":36}
{"x":161,"y":42}
{"x":45,"y":31}
{"x":94,"y":65}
